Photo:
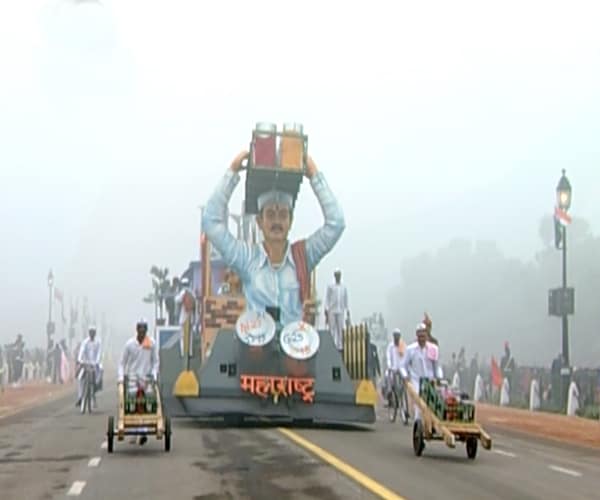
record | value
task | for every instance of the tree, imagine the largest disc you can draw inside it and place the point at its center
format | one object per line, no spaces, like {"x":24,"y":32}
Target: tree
{"x":161,"y":285}
{"x":478,"y":297}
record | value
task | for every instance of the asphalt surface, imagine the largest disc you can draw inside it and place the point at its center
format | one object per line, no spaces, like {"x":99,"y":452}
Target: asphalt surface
{"x":515,"y":468}
{"x":52,"y":450}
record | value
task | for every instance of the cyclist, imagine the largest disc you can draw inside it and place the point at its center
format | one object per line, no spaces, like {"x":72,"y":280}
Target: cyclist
{"x":90,"y":352}
{"x":394,"y":354}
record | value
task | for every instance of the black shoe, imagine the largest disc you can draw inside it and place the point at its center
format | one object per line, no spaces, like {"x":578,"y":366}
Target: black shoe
{"x":143,"y":440}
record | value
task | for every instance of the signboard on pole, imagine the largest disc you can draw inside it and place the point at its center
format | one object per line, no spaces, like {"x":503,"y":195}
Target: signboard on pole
{"x":561,"y":301}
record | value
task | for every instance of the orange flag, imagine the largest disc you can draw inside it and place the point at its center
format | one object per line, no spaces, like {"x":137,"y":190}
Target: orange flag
{"x":496,"y":373}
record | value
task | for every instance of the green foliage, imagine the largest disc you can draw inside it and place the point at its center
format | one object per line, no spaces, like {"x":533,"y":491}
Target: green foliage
{"x":590,"y":411}
{"x":160,"y":286}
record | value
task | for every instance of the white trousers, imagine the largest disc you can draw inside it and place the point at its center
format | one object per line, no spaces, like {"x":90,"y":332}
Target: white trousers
{"x":144,"y":382}
{"x":417,"y":411}
{"x":336,"y":327}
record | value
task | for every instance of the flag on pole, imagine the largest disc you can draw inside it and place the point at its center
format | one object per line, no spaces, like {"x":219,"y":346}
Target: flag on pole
{"x":496,"y":373}
{"x":58,"y":295}
{"x":562,"y":216}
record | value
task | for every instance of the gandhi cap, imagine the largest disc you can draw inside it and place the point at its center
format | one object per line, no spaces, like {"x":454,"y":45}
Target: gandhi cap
{"x":275,"y":197}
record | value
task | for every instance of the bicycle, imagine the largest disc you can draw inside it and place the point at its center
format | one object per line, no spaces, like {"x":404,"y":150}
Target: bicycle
{"x":397,"y":399}
{"x":89,"y":387}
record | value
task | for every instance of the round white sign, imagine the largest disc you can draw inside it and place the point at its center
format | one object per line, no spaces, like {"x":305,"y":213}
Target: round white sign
{"x":255,"y":329}
{"x":299,"y":340}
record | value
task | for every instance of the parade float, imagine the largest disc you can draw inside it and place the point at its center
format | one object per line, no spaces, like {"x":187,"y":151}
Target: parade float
{"x":224,"y":361}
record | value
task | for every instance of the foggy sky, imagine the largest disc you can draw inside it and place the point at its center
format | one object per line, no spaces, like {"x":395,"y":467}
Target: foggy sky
{"x":441,"y":120}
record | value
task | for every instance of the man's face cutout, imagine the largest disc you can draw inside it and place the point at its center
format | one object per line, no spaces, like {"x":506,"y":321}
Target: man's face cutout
{"x":275,"y":221}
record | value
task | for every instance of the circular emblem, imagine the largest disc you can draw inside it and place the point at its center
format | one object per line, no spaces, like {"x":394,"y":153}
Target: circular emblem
{"x":299,"y":340}
{"x":255,"y":329}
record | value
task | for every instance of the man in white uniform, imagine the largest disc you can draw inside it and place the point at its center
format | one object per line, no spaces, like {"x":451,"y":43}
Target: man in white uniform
{"x":139,"y":362}
{"x":90,"y":352}
{"x":394,"y":354}
{"x":395,"y":351}
{"x":421,"y":360}
{"x":336,"y":304}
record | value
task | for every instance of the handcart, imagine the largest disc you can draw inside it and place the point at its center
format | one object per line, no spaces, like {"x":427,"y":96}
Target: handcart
{"x":440,"y":421}
{"x":139,"y":415}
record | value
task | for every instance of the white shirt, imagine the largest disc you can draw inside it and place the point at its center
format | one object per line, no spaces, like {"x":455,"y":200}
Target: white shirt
{"x":139,"y":360}
{"x":421,"y":362}
{"x":336,"y":300}
{"x":393,"y":358}
{"x":90,"y":351}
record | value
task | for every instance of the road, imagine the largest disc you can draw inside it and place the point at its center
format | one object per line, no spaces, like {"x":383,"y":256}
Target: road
{"x":53,"y":452}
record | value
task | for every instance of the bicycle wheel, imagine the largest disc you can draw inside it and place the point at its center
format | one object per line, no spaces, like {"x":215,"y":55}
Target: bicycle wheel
{"x":84,"y":393}
{"x":392,"y":405}
{"x":88,"y":393}
{"x":93,"y":391}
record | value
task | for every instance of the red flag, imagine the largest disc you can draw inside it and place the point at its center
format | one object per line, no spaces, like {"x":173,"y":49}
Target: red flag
{"x":496,"y":373}
{"x":562,"y":216}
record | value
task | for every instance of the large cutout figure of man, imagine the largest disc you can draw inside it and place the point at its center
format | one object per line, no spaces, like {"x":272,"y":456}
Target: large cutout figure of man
{"x":274,"y":273}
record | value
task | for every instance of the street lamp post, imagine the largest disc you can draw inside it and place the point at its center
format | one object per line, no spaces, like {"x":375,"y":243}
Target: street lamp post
{"x":50,"y":283}
{"x":563,"y":201}
{"x":50,"y":325}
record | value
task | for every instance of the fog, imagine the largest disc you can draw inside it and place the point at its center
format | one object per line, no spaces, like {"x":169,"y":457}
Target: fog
{"x":443,"y":120}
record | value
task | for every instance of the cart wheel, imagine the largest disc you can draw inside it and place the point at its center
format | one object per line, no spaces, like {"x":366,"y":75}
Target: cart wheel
{"x":471,"y":447}
{"x":110,"y":434}
{"x":167,"y":434}
{"x":418,"y":439}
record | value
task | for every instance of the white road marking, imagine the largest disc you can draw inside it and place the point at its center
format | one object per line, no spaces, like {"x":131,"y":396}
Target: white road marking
{"x":76,"y":488}
{"x":94,"y":462}
{"x":569,"y":472}
{"x":504,"y":453}
{"x":104,"y":445}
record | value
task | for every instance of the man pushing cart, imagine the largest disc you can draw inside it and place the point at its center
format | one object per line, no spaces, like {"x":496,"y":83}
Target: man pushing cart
{"x":420,"y":361}
{"x":140,"y":407}
{"x":439,"y":414}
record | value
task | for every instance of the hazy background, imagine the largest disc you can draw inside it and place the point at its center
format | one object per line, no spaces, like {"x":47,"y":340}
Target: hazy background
{"x":436,"y":121}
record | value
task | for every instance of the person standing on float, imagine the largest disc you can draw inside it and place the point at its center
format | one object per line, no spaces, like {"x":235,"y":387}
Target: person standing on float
{"x":336,"y":307}
{"x":269,"y":271}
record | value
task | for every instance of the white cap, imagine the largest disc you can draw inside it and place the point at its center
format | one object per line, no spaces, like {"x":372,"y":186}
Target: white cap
{"x":421,"y":327}
{"x":275,"y":197}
